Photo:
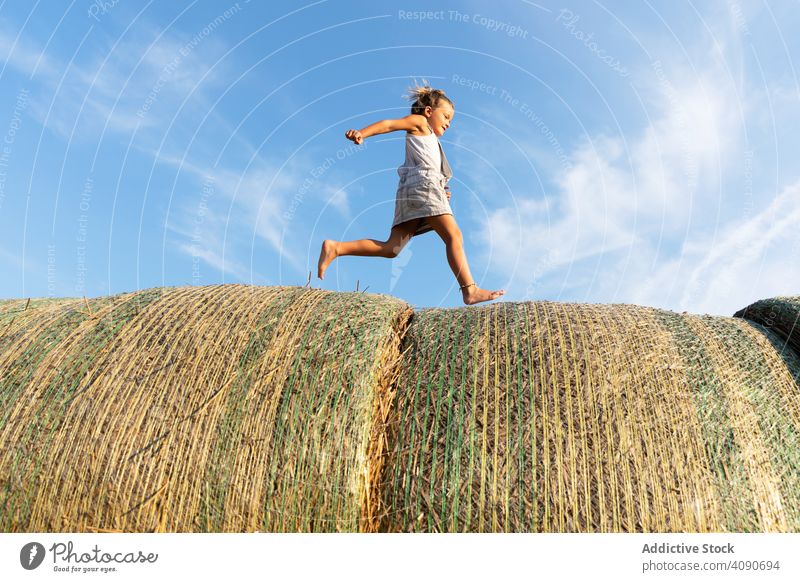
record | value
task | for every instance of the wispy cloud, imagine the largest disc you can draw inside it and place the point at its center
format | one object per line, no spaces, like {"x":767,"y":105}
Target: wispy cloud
{"x":629,"y":202}
{"x":247,"y":205}
{"x":129,"y":83}
{"x":751,"y":258}
{"x":337,"y":197}
{"x":198,"y":238}
{"x":24,"y":56}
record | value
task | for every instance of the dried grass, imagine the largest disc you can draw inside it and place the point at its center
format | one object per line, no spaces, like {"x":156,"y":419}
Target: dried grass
{"x":551,"y":417}
{"x":778,"y":314}
{"x":225,"y":408}
{"x":290,"y":409}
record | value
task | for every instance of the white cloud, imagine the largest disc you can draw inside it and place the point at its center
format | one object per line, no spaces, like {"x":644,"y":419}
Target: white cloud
{"x":628,"y":202}
{"x":23,"y":56}
{"x":215,"y":259}
{"x":337,"y":197}
{"x":198,"y":226}
{"x":133,"y":83}
{"x":255,"y":201}
{"x":752,"y":258}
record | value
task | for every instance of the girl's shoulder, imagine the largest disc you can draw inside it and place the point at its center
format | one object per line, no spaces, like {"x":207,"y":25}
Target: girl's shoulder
{"x":420,"y":125}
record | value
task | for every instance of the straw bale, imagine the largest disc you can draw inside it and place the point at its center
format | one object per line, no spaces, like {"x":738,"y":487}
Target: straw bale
{"x":291,"y":409}
{"x":222,"y":408}
{"x":778,"y":314}
{"x":552,"y":417}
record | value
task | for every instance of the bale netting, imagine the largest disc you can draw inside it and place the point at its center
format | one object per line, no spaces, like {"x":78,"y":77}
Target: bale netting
{"x":780,"y":315}
{"x":221,"y":408}
{"x":553,"y":417}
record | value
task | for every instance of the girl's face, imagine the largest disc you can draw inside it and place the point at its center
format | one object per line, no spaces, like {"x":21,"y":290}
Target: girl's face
{"x":439,"y":117}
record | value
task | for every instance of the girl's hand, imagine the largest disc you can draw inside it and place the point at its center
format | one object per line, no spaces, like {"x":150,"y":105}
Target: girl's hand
{"x":354,"y":135}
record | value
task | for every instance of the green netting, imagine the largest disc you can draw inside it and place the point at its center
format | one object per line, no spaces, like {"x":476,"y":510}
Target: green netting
{"x":223,"y":408}
{"x":72,"y":343}
{"x":779,"y":314}
{"x":566,"y":417}
{"x":240,"y":408}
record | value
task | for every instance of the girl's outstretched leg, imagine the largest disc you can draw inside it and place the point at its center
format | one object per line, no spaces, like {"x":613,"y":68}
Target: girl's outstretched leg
{"x":446,"y":227}
{"x":367,"y":247}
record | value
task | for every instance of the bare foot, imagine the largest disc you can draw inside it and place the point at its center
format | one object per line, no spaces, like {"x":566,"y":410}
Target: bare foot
{"x":475,"y":294}
{"x":326,"y":255}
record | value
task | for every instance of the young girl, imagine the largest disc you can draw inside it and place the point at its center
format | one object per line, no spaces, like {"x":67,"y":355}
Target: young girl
{"x":423,"y":198}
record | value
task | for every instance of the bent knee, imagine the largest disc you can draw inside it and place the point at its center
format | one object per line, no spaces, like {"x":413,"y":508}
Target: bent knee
{"x":391,"y":250}
{"x":453,"y":237}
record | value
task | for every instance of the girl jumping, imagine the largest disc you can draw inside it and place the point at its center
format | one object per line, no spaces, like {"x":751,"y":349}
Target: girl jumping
{"x":423,"y":197}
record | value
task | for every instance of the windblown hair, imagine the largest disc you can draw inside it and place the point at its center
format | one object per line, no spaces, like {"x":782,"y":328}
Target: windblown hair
{"x":426,"y":96}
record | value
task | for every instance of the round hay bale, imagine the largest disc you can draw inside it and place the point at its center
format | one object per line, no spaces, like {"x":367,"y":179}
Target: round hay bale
{"x":222,"y":408}
{"x":551,"y":417}
{"x":239,"y":408}
{"x":778,"y":314}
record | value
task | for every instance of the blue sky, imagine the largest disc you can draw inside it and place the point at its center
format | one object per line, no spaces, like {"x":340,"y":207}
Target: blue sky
{"x":603,"y":152}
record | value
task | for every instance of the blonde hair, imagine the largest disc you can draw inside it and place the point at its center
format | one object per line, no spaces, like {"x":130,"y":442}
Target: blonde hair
{"x":425,"y":96}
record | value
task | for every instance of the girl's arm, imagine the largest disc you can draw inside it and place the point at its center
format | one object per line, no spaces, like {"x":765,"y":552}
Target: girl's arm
{"x":411,"y":122}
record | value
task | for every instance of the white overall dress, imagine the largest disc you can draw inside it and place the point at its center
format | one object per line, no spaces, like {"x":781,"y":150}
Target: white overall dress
{"x":423,"y":177}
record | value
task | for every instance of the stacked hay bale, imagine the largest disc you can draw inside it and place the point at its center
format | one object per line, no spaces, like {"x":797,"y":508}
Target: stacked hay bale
{"x":778,"y":317}
{"x":238,"y":408}
{"x":225,"y":408}
{"x":550,"y":417}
